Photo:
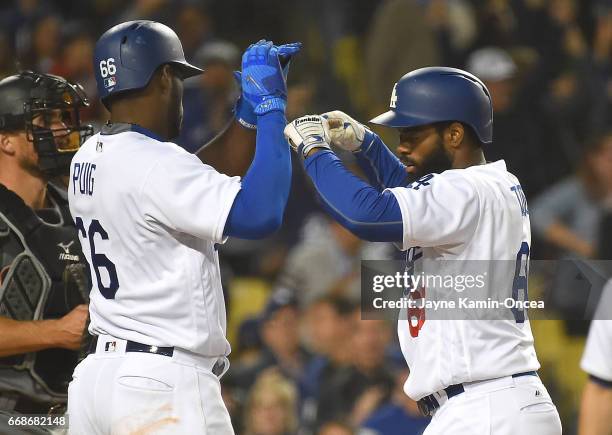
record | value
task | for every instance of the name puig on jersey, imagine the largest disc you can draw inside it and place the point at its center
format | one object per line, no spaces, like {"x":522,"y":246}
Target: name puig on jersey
{"x":83,"y":175}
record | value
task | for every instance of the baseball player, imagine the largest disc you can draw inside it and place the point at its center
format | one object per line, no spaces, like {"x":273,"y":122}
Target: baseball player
{"x":442,"y":201}
{"x":150,"y":217}
{"x":43,"y":278}
{"x":597,"y":362}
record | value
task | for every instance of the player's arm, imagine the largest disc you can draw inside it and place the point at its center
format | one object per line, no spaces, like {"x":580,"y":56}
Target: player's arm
{"x":232,"y":150}
{"x":380,"y":165}
{"x":258,"y":208}
{"x":433,"y":211}
{"x":19,"y":337}
{"x":362,"y":209}
{"x":595,"y":408}
{"x":195,"y":199}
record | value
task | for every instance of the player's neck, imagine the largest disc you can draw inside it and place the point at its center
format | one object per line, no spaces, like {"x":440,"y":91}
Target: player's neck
{"x":32,"y":189}
{"x":144,"y":118}
{"x":469,"y":158}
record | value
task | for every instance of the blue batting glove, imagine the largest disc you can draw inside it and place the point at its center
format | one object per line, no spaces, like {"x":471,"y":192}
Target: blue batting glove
{"x":285,"y":53}
{"x":264,"y":85}
{"x":243,"y":111}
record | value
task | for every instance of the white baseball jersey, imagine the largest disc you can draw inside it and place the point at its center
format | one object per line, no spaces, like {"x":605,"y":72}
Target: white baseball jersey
{"x":597,"y":357}
{"x":477,"y":213}
{"x":149,"y":215}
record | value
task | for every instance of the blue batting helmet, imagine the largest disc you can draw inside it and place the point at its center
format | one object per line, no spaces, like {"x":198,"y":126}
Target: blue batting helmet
{"x":438,"y":94}
{"x":127,"y":55}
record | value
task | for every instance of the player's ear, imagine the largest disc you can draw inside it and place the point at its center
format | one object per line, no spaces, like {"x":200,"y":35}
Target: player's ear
{"x":165,"y":78}
{"x":454,"y":134}
{"x":7,"y":144}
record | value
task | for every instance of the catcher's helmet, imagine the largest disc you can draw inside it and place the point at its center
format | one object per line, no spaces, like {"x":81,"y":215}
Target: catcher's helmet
{"x":438,"y":94}
{"x":27,"y":96}
{"x":127,"y":55}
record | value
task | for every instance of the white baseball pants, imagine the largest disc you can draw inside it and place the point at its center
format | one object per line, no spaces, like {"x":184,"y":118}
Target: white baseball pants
{"x":504,"y":406}
{"x":116,"y":393}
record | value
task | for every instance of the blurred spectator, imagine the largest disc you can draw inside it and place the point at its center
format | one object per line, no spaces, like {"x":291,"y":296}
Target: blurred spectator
{"x":568,"y":214}
{"x":44,"y":44}
{"x":399,"y":41}
{"x":271,"y":407}
{"x":75,"y":63}
{"x":400,"y":411}
{"x":335,"y":254}
{"x":156,"y":10}
{"x":208,"y":99}
{"x":249,"y":343}
{"x":330,"y":326}
{"x":518,"y":138}
{"x":279,"y":331}
{"x":335,"y":428}
{"x":454,"y":22}
{"x":6,"y":57}
{"x":355,"y":391}
{"x":193,"y":27}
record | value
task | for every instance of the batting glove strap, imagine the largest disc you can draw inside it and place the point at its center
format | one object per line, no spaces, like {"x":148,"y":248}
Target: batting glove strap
{"x":243,"y":112}
{"x":368,"y":139}
{"x":269,"y":105}
{"x":310,"y":144}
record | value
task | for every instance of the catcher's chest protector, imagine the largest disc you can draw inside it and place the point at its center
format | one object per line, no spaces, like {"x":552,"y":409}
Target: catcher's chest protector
{"x":43,"y":275}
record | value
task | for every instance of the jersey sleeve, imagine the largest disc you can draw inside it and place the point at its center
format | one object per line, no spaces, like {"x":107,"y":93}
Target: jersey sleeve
{"x":597,"y":356}
{"x":186,"y":195}
{"x":438,"y":209}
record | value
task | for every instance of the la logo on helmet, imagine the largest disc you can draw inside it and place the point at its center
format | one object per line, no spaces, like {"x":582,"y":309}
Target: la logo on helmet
{"x":393,"y":97}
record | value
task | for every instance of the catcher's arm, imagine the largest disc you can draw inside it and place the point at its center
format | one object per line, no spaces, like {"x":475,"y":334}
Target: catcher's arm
{"x":18,"y":337}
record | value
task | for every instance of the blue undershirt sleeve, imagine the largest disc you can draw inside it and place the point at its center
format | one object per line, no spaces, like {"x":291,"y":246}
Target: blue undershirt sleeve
{"x":380,"y":165}
{"x":259,"y":205}
{"x":363,"y":210}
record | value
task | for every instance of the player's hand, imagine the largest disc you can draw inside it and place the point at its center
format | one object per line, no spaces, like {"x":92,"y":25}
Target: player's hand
{"x":70,"y":328}
{"x":263,"y":79}
{"x":344,"y":132}
{"x":307,"y":133}
{"x":285,"y":54}
{"x":243,"y":111}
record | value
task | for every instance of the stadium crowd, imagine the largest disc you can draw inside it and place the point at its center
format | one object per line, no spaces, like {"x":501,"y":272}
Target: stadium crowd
{"x":303,"y":360}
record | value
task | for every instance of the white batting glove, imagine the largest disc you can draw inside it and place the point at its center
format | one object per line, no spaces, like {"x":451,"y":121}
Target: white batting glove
{"x":307,"y":133}
{"x":344,"y":132}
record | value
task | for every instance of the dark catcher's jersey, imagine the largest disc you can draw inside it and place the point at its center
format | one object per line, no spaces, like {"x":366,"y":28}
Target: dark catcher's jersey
{"x":43,"y":275}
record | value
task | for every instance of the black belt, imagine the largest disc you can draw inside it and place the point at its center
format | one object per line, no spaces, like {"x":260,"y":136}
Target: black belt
{"x":132,"y":346}
{"x":428,"y":404}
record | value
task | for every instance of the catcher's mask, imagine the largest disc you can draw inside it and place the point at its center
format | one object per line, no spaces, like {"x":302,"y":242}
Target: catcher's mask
{"x":32,"y":102}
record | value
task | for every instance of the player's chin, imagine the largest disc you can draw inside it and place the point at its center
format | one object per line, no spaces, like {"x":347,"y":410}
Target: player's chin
{"x":412,"y":169}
